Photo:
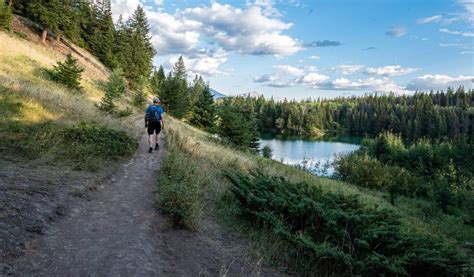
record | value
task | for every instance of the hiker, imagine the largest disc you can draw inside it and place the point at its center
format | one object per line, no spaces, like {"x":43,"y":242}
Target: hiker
{"x":154,"y":123}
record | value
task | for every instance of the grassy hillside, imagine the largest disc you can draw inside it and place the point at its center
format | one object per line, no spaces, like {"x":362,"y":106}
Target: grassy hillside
{"x":31,"y":99}
{"x":54,"y":142}
{"x":256,"y":201}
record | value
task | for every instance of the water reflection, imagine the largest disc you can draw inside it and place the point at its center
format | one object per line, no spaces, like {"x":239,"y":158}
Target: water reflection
{"x":314,"y":155}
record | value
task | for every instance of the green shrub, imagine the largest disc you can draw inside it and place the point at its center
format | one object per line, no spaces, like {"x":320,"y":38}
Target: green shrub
{"x":436,"y":171}
{"x":362,"y":170}
{"x":68,"y":73}
{"x":386,"y":146}
{"x":88,"y":142}
{"x":178,"y":185}
{"x":114,"y":88}
{"x":139,"y":99}
{"x":267,"y":152}
{"x":30,"y":141}
{"x":116,"y":85}
{"x":336,"y":234}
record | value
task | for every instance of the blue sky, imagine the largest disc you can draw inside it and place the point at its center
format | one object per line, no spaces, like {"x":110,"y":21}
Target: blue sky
{"x":300,"y":49}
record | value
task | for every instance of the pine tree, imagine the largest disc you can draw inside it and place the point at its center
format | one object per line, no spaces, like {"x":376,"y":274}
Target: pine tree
{"x":156,"y":80}
{"x":197,"y":89}
{"x":68,"y":73}
{"x":141,"y":50}
{"x":74,"y":19}
{"x":48,"y":13}
{"x":175,"y":93}
{"x":203,"y":110}
{"x":179,"y":69}
{"x":140,"y":95}
{"x":6,"y":16}
{"x":233,"y":126}
{"x":101,"y":32}
{"x":115,"y":88}
{"x":116,"y":85}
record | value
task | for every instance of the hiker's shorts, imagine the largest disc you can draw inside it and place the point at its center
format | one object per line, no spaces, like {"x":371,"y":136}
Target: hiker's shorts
{"x":154,"y":127}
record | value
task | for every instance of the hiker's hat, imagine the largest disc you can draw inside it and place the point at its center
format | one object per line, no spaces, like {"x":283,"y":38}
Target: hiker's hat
{"x":156,"y":100}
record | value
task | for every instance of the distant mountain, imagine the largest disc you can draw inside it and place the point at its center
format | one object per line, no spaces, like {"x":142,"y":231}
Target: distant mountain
{"x":216,"y":94}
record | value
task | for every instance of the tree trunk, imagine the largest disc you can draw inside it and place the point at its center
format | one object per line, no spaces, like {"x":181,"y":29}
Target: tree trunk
{"x":44,"y":35}
{"x":58,"y":38}
{"x":10,"y":3}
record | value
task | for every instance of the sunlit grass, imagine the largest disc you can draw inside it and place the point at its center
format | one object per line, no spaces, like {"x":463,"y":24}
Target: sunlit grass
{"x":37,"y":112}
{"x":19,"y":57}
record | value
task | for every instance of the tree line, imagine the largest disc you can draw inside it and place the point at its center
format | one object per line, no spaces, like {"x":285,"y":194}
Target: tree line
{"x":439,"y":115}
{"x":126,"y":44}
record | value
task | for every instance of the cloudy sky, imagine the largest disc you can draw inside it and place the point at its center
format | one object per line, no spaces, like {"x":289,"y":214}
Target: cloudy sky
{"x":315,"y":48}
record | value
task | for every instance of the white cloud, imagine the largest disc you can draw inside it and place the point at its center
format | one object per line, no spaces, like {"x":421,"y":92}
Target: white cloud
{"x":203,"y":62}
{"x":247,"y":31}
{"x":288,"y":70}
{"x":285,"y":76}
{"x":254,"y":30}
{"x":434,"y":18}
{"x":267,"y":7}
{"x":439,"y":81}
{"x":369,"y":84}
{"x":396,"y":31}
{"x":450,"y":44}
{"x":466,"y":52}
{"x":348,"y":69}
{"x":124,"y":8}
{"x":389,"y":70}
{"x":313,"y":79}
{"x":282,"y":76}
{"x":468,"y":14}
{"x":170,"y":34}
{"x":265,"y":78}
{"x":464,"y":34}
{"x":314,"y":57}
{"x":173,"y":35}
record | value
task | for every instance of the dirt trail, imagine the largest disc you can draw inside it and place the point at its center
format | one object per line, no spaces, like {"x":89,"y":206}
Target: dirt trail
{"x":119,"y":232}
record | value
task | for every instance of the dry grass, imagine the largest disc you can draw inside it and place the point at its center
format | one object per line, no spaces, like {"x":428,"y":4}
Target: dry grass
{"x":24,"y":59}
{"x":22,"y":65}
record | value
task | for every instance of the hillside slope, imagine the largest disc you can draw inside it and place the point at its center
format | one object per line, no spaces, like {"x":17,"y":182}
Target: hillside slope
{"x":54,"y":143}
{"x":304,"y":223}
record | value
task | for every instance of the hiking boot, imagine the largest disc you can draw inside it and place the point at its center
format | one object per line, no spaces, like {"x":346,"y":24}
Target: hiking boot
{"x":150,"y":150}
{"x":157,"y":146}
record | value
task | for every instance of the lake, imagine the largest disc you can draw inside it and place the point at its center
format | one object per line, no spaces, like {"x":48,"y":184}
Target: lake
{"x":314,"y":155}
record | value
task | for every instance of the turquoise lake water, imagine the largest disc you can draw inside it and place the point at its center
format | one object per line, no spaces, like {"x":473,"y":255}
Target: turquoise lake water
{"x":315,"y":155}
